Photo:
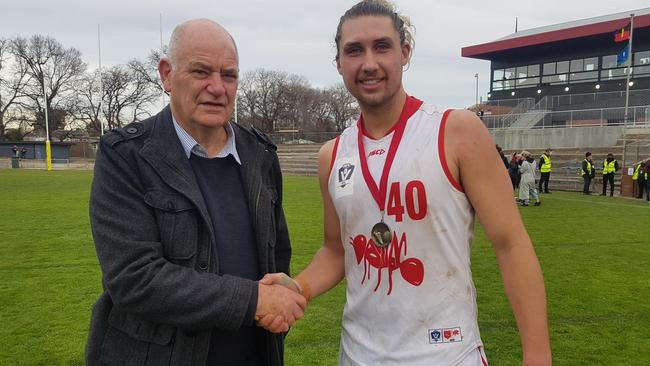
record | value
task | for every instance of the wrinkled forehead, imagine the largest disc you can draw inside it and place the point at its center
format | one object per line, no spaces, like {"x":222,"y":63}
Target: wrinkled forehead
{"x":202,"y":38}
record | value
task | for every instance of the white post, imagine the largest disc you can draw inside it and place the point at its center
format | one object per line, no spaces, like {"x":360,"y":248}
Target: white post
{"x":162,"y":90}
{"x":630,"y":59}
{"x":101,"y":83}
{"x":476,"y":99}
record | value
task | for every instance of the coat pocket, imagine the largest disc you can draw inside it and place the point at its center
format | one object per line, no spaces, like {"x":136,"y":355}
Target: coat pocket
{"x":129,"y":341}
{"x":177,"y":219}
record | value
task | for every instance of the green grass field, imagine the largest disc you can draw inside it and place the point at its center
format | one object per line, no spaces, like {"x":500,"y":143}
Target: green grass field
{"x":595,"y":252}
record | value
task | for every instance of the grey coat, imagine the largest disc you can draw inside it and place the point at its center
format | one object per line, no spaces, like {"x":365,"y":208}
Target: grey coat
{"x":154,"y":239}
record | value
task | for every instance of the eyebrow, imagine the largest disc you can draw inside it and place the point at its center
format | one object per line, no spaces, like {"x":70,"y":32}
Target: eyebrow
{"x":381,"y":39}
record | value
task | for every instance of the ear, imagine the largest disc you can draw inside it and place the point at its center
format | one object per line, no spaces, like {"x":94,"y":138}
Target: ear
{"x":406,"y":52}
{"x":164,"y":70}
{"x":338,"y":66}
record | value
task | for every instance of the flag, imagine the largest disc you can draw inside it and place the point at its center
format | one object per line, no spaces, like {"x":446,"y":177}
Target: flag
{"x":622,"y":56}
{"x":623,"y":34}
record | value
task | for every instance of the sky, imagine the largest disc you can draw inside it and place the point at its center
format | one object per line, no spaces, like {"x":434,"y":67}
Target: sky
{"x":297,"y":36}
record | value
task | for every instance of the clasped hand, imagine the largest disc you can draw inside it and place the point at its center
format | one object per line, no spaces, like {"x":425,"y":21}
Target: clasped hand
{"x":279,"y":303}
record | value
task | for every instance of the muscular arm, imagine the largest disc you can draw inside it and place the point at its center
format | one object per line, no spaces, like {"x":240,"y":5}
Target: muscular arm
{"x":489,"y":191}
{"x":326,"y":269}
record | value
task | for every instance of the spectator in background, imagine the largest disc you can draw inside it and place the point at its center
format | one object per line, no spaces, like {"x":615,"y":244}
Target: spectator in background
{"x":15,"y":152}
{"x":527,"y":184}
{"x":513,"y":170}
{"x":610,"y":167}
{"x":587,"y":172}
{"x":592,"y":177}
{"x":23,"y":152}
{"x":639,"y":177}
{"x":647,"y":179}
{"x":503,"y":156}
{"x":545,"y":170}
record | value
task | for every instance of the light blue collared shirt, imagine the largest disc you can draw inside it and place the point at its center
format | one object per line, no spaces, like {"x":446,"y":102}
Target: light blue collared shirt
{"x":190,"y":146}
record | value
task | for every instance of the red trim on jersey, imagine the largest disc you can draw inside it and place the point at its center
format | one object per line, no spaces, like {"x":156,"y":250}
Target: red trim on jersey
{"x":336,"y":146}
{"x":482,"y":358}
{"x":441,"y":151}
{"x":411,"y":105}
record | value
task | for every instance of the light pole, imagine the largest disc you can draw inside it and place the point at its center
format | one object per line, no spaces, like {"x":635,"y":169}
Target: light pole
{"x":476,"y":101}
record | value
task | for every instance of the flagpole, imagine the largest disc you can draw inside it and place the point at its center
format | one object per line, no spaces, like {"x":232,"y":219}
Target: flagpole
{"x":630,"y":59}
{"x":101,"y":83}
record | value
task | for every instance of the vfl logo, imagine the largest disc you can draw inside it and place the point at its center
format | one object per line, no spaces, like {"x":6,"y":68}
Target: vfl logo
{"x":376,"y":152}
{"x":445,"y":335}
{"x":389,"y":257}
{"x":345,"y":174}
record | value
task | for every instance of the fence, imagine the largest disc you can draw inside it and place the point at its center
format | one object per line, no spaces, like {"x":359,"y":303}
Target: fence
{"x":637,"y":117}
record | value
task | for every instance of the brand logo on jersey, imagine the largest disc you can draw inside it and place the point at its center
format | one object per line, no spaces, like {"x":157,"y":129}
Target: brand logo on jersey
{"x":389,"y":257}
{"x":345,"y":174}
{"x":376,"y":152}
{"x":445,"y":335}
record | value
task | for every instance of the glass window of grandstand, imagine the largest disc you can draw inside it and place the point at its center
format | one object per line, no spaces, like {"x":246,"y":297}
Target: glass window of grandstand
{"x":583,"y":70}
{"x":641,"y":63}
{"x":611,"y":70}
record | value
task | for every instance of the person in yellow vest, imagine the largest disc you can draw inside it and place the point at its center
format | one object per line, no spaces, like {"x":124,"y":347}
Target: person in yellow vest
{"x":545,"y":170}
{"x":587,"y":169}
{"x":610,"y":167}
{"x":640,"y":177}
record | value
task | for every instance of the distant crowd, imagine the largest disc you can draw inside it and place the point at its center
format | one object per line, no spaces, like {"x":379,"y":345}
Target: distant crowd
{"x":523,"y":166}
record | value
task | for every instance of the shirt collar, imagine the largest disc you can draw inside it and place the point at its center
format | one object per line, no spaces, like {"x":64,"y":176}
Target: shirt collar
{"x":190,"y":146}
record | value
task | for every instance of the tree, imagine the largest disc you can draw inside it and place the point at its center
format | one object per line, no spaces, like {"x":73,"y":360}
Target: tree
{"x":262,"y":94}
{"x":52,"y":67}
{"x":126,"y":95}
{"x":341,"y":105}
{"x":13,"y":78}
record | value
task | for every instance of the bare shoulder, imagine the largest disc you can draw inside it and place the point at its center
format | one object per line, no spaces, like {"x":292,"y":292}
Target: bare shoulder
{"x":465,"y":134}
{"x":325,"y":155}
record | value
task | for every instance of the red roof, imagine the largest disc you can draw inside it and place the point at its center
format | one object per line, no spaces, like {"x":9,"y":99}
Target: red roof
{"x":559,"y":32}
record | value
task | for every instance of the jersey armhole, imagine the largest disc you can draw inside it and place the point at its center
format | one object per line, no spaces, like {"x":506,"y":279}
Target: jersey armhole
{"x":441,"y":151}
{"x":336,"y":145}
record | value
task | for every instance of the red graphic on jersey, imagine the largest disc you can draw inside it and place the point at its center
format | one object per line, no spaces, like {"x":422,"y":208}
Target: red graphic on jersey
{"x":376,"y":152}
{"x":389,"y":257}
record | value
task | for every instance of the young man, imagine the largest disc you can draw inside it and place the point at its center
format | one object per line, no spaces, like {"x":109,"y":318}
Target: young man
{"x":399,"y":224}
{"x":186,"y":214}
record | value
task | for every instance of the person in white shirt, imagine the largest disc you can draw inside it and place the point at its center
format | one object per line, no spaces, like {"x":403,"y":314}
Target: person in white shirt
{"x":400,"y":189}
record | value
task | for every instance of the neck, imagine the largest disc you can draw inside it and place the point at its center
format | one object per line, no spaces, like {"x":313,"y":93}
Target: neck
{"x":378,"y":120}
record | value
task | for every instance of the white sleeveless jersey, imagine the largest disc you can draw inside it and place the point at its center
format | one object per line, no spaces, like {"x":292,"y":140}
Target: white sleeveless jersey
{"x":413,"y":302}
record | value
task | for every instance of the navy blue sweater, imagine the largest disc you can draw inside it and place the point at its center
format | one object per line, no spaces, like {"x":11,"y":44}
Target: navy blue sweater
{"x":221,"y":185}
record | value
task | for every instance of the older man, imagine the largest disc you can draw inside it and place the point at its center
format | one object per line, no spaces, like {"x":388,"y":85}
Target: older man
{"x":186,"y":214}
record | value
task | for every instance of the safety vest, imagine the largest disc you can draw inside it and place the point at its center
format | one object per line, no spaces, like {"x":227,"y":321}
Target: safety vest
{"x":588,"y":172}
{"x":636,"y":172}
{"x":546,"y":167}
{"x":609,"y":167}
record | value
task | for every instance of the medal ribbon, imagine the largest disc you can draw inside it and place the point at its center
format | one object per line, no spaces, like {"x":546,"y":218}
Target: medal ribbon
{"x":411,"y":105}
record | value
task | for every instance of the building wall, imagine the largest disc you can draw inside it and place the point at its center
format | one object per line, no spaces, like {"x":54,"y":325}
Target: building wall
{"x":557,"y":137}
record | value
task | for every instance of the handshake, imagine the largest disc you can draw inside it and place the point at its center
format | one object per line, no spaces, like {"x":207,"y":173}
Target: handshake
{"x":280,"y":302}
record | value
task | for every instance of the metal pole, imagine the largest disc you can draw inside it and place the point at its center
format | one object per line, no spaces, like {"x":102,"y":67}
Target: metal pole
{"x":162,"y":90}
{"x":101,"y":83}
{"x":630,"y":58}
{"x":48,"y":150}
{"x":476,"y":100}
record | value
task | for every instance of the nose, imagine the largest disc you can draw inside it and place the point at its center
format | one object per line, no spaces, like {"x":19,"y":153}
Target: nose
{"x":369,"y":62}
{"x":215,"y":85}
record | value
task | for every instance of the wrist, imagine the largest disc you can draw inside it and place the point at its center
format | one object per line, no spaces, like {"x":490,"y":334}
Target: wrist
{"x":303,"y":287}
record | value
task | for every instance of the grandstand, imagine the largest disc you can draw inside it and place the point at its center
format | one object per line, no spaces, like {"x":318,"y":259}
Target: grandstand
{"x":565,"y":86}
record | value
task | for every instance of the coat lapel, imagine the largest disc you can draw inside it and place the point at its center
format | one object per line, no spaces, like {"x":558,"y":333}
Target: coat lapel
{"x":166,"y":156}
